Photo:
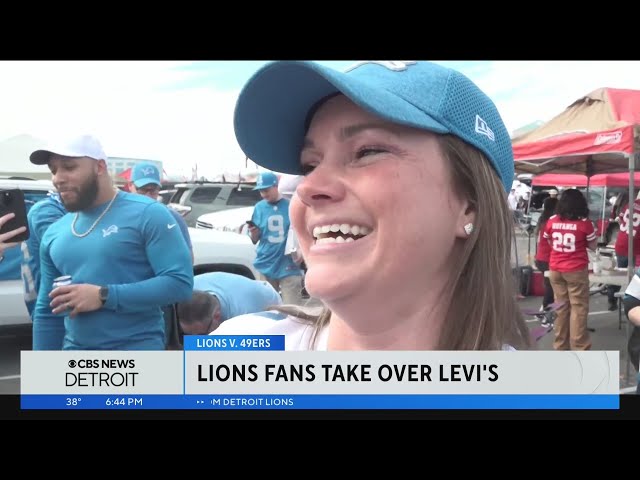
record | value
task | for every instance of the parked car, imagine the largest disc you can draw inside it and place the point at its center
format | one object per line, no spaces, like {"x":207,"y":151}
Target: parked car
{"x":166,"y":195}
{"x":214,"y":251}
{"x":197,"y":198}
{"x":232,"y":220}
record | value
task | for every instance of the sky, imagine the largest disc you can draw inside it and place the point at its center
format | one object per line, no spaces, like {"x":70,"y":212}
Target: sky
{"x":182,"y":112}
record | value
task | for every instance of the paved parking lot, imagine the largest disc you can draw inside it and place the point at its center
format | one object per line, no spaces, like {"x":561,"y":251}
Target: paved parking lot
{"x":10,"y":346}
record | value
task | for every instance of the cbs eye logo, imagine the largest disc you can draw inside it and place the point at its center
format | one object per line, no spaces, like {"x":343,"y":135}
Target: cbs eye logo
{"x":84,"y":363}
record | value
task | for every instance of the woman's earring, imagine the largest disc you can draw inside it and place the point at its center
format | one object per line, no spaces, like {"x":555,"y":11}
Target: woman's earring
{"x":468,"y":228}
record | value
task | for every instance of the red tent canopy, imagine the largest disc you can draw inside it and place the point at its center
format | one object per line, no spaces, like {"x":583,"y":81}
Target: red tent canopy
{"x":595,"y":134}
{"x":614,"y":180}
{"x":601,"y":180}
{"x":559,"y":180}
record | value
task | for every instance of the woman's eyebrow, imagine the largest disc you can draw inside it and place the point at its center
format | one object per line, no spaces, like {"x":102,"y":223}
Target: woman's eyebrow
{"x":351,"y":130}
{"x":347,"y":132}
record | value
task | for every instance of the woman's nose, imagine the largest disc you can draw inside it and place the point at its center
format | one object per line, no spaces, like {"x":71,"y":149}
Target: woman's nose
{"x":324,"y":184}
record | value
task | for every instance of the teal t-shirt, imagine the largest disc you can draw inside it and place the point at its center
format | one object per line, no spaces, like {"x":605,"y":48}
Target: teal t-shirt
{"x":137,"y":254}
{"x":273,"y":221}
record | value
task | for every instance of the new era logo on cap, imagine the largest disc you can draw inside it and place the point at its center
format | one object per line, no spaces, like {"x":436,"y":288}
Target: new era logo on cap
{"x":483,"y":129}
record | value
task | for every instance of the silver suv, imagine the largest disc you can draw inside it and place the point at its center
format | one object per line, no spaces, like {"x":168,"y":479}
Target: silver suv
{"x":197,"y":198}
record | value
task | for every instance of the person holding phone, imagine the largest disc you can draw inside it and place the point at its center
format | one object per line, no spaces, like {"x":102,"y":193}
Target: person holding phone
{"x":269,"y":226}
{"x":5,"y":237}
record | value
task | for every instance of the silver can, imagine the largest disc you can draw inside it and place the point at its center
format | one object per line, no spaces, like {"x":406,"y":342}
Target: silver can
{"x":62,"y":281}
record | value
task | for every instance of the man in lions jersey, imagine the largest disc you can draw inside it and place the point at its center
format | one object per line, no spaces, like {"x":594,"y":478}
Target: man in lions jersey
{"x":268,"y":228}
{"x":570,"y":233}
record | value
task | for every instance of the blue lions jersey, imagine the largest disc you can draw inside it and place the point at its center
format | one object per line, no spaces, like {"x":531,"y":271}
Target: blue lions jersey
{"x":135,"y":252}
{"x":273,"y":221}
{"x":40,"y":217}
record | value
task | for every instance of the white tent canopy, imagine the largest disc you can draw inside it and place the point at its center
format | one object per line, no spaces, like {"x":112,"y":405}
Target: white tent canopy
{"x":14,"y":157}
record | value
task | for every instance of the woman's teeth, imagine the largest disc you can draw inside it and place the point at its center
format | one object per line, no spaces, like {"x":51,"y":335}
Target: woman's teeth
{"x":339,"y":233}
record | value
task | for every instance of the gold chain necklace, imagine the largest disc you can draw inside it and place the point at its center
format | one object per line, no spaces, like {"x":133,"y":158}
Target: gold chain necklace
{"x":81,"y":235}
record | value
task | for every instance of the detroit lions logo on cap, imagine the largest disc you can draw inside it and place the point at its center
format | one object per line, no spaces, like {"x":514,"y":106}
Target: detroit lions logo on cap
{"x":148,"y":170}
{"x":393,"y":65}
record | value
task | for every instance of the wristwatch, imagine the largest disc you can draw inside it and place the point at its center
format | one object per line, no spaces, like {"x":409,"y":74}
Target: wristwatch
{"x":104,"y":293}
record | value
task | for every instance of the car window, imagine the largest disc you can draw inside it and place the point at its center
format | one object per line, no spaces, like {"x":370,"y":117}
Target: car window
{"x":245,"y":197}
{"x":204,"y":194}
{"x":31,"y":197}
{"x":178,"y":195}
{"x":167,"y":195}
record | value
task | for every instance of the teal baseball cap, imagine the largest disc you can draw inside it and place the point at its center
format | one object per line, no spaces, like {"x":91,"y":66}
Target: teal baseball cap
{"x":266,"y":180}
{"x":144,"y":173}
{"x":271,"y":112}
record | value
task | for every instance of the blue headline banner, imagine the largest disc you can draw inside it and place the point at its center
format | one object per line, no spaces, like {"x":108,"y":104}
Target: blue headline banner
{"x":234,"y":342}
{"x":319,"y":402}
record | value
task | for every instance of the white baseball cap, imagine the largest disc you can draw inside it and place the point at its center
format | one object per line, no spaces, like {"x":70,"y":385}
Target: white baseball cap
{"x":79,"y":146}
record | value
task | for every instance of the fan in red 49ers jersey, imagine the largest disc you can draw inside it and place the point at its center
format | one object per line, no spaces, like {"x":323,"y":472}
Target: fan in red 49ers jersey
{"x":570,"y":233}
{"x":569,"y":241}
{"x":625,"y":221}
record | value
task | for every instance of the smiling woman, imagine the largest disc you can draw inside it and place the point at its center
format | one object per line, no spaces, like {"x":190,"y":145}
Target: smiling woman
{"x":402,"y":216}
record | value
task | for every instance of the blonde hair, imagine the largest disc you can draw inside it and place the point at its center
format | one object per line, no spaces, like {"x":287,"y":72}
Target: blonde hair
{"x":488,"y":317}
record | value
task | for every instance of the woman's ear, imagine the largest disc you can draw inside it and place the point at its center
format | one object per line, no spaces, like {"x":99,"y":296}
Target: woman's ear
{"x":465,"y":224}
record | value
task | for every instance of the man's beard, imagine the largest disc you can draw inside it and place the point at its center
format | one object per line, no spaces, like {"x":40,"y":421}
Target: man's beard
{"x":86,"y":196}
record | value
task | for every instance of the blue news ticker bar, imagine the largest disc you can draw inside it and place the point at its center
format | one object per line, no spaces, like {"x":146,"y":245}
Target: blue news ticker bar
{"x":319,"y":402}
{"x":234,"y":342}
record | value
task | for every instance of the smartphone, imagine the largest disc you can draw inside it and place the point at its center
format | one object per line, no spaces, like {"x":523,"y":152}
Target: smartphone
{"x":12,"y":201}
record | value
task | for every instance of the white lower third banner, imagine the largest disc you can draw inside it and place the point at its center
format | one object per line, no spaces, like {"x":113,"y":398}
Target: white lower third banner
{"x":228,"y":376}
